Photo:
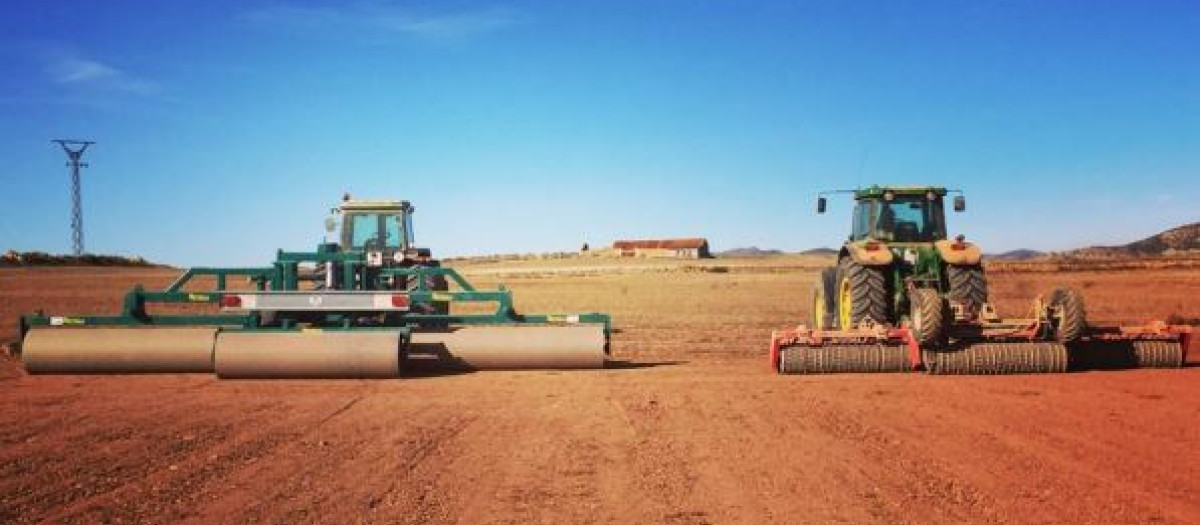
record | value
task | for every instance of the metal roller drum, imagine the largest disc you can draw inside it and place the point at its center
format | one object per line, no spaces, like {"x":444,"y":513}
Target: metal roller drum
{"x":529,"y":347}
{"x":998,"y":358}
{"x":308,"y":354}
{"x":1122,"y":354}
{"x":1158,"y":354}
{"x":118,"y":350}
{"x":832,"y":359}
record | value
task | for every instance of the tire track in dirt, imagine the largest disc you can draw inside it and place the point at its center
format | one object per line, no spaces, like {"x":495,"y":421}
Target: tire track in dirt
{"x":1021,"y":455}
{"x":72,"y":465}
{"x":738,"y":468}
{"x":552,"y":451}
{"x":1050,"y":447}
{"x":152,"y":474}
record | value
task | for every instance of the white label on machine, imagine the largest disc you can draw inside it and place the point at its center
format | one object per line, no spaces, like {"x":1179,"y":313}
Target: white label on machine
{"x":324,"y":301}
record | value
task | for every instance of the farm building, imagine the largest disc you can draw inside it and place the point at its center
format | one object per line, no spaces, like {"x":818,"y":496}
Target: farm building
{"x":664,"y":248}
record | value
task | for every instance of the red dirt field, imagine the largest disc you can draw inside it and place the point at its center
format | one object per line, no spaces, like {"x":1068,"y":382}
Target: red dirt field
{"x":688,"y":427}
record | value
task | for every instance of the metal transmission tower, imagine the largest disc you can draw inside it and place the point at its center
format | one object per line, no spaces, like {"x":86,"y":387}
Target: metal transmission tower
{"x":74,"y":150}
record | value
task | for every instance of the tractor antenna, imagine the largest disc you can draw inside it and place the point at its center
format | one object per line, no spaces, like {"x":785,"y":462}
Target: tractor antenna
{"x":74,"y":150}
{"x":862,"y":165}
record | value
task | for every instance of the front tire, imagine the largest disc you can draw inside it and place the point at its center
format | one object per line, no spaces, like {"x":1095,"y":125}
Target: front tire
{"x":927,"y":316}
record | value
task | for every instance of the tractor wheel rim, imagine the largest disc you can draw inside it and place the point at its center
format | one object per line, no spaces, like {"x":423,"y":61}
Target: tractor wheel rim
{"x":818,"y":310}
{"x":845,"y":304}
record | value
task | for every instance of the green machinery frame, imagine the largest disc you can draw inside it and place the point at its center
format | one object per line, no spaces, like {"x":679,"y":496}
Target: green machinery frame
{"x":284,"y":276}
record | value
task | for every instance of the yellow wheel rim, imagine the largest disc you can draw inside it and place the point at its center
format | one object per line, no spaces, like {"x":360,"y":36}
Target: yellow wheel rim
{"x":819,"y":310}
{"x":845,"y":305}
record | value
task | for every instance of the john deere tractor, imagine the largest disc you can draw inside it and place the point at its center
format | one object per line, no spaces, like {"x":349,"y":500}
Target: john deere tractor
{"x":383,"y":230}
{"x":904,"y":296}
{"x":899,"y":266}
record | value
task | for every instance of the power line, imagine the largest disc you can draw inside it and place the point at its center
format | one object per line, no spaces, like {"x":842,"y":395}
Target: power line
{"x":74,"y":150}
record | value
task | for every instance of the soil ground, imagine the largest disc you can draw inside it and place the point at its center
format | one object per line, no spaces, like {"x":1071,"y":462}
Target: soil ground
{"x":688,"y":427}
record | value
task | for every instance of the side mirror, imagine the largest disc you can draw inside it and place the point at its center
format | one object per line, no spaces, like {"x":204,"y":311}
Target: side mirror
{"x":960,"y":203}
{"x":330,"y":224}
{"x":820,"y":204}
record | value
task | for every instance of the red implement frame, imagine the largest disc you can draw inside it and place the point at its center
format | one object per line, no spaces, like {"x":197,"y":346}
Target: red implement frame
{"x":1156,"y":330}
{"x":1021,"y":329}
{"x":804,"y":336}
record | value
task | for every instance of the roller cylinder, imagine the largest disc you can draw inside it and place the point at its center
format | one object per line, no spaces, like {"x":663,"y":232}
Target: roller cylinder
{"x":519,"y":347}
{"x":1033,"y":357}
{"x":844,"y":358}
{"x":118,"y":350}
{"x":316,"y":354}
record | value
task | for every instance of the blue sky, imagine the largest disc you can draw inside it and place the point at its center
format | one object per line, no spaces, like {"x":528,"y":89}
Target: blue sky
{"x":226,"y":129}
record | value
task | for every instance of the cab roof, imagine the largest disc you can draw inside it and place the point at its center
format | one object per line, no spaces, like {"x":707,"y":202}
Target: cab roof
{"x":877,"y":191}
{"x":376,"y":205}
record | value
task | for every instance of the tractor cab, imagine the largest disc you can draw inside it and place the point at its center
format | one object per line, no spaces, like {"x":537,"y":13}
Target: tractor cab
{"x":380,"y":228}
{"x":899,"y":214}
{"x":896,"y":215}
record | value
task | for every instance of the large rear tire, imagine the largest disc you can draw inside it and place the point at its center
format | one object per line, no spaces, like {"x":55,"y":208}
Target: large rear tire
{"x":968,"y":287}
{"x":824,"y":304}
{"x":1068,"y":315}
{"x":861,"y":294}
{"x":927,"y":314}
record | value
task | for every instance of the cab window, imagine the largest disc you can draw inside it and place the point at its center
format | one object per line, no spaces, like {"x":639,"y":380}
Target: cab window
{"x":862,"y":221}
{"x":383,"y":230}
{"x":910,"y":219}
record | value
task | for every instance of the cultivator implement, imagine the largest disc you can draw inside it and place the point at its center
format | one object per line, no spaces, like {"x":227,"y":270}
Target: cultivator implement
{"x":1023,"y":346}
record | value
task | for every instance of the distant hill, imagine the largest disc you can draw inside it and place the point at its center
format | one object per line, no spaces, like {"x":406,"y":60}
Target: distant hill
{"x":15,"y":258}
{"x":1017,"y":255}
{"x":752,"y":251}
{"x":1176,"y":241}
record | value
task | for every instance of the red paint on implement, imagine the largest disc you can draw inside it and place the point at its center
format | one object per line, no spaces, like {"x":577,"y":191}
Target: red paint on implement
{"x":914,"y":349}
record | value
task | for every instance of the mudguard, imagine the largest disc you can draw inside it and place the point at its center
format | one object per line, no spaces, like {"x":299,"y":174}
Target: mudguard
{"x":958,"y":253}
{"x":881,"y":255}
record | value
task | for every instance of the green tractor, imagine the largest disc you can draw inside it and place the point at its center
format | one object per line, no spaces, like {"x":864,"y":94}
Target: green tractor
{"x":905,"y":296}
{"x":383,"y":231}
{"x":900,"y":267}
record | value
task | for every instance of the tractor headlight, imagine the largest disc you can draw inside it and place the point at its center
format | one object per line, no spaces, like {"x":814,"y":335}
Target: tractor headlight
{"x":910,"y":257}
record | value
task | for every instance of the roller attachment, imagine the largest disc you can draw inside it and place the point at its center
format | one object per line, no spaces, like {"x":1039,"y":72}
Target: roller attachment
{"x":1158,"y":354}
{"x":832,"y":359}
{"x":308,"y":354}
{"x":118,"y":350}
{"x":1102,"y":354}
{"x":521,"y":347}
{"x":1038,"y":357}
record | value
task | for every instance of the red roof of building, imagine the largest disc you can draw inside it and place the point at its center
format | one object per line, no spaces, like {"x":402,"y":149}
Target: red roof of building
{"x":665,"y":244}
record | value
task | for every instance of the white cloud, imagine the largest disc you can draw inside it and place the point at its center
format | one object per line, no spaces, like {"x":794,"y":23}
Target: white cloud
{"x":387,"y":20}
{"x":90,"y":74}
{"x":449,"y":27}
